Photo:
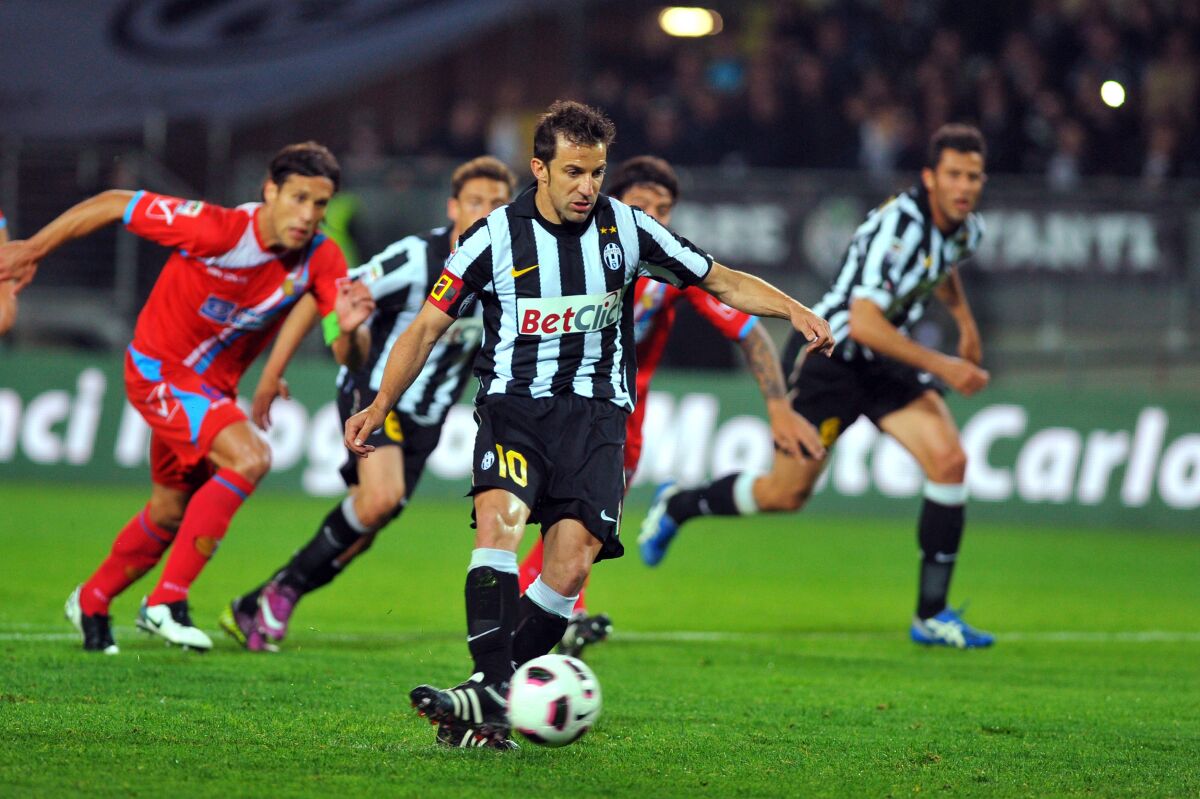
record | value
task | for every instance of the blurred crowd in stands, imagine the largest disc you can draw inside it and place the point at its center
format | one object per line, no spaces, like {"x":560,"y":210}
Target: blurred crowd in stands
{"x":861,"y":84}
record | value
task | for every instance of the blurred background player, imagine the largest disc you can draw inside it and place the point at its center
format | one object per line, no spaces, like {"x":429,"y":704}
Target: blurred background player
{"x":399,"y":279}
{"x":906,"y":251}
{"x":650,"y":183}
{"x":218,"y":302}
{"x":552,"y":271}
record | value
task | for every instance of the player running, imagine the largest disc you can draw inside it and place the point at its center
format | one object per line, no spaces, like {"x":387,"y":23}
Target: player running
{"x":220,"y":298}
{"x":906,"y":251}
{"x":399,"y":279}
{"x":650,"y":184}
{"x":552,"y":271}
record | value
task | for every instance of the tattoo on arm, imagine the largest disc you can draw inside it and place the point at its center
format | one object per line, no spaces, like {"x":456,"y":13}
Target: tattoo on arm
{"x":763,"y":361}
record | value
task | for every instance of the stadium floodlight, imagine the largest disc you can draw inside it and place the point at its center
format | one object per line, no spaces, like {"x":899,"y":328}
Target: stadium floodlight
{"x":1112,"y":93}
{"x":690,"y":22}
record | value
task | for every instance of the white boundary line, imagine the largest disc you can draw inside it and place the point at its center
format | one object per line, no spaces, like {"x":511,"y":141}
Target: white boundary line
{"x":21,"y":632}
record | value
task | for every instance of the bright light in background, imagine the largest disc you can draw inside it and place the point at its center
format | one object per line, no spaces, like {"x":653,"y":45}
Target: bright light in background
{"x":1112,"y":93}
{"x":690,"y":22}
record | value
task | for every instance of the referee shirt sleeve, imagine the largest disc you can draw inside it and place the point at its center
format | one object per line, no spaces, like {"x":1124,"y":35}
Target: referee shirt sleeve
{"x":666,"y":256}
{"x":467,"y":273}
{"x":888,"y":253}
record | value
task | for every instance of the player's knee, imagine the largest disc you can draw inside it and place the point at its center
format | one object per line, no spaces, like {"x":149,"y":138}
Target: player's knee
{"x":377,"y":507}
{"x":949,"y":465}
{"x":166,"y":512}
{"x":253,"y":460}
{"x":498,"y":527}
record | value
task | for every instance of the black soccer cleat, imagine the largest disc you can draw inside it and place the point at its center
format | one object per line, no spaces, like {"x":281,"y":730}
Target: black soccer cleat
{"x":481,"y":706}
{"x":457,"y":735}
{"x":584,"y":630}
{"x":96,"y":630}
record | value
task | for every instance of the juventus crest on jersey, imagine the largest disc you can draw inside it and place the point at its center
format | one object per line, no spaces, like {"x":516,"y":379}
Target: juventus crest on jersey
{"x":896,"y":259}
{"x":399,"y":278}
{"x":557,"y":299}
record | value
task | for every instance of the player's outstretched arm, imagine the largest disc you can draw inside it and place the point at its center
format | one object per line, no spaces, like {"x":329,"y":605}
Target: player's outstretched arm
{"x":756,"y":296}
{"x":869,"y":327}
{"x":19,"y":258}
{"x":951,"y":294}
{"x":404,"y":363}
{"x":272,"y":383}
{"x":793,"y":434}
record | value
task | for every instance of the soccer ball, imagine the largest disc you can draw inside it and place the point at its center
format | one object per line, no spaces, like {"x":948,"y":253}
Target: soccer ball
{"x":553,"y":700}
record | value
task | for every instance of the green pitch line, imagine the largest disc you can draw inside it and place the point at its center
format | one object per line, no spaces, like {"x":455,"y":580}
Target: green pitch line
{"x":765,"y":657}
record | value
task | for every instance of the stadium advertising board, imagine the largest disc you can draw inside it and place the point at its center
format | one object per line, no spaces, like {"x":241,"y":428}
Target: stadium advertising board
{"x":1097,"y":457}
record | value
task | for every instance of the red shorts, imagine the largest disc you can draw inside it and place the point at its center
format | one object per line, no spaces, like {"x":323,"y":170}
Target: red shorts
{"x":185,"y":414}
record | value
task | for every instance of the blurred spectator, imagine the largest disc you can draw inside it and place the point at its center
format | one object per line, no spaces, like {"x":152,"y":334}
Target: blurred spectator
{"x":1066,"y":166}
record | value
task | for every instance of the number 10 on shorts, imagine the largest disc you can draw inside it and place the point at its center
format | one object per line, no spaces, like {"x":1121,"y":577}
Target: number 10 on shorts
{"x":512,"y":464}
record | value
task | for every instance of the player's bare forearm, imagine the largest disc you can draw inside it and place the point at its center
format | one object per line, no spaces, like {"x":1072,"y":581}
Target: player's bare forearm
{"x":951,"y":294}
{"x":763,"y":362}
{"x":747,"y":293}
{"x":81,"y":220}
{"x":297,"y":325}
{"x":869,"y":327}
{"x":409,"y":354}
{"x":351,"y":349}
{"x":753,"y":295}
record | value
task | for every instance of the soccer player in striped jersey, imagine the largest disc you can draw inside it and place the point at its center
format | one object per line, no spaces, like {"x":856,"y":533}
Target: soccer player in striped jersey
{"x":552,"y":271}
{"x":650,"y":184}
{"x":399,"y":279}
{"x":906,"y":252}
{"x":218,"y":302}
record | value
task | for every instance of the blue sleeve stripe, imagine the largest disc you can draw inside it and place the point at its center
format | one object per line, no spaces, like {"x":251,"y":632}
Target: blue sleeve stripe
{"x":132,"y":204}
{"x":3,"y":222}
{"x":746,"y":328}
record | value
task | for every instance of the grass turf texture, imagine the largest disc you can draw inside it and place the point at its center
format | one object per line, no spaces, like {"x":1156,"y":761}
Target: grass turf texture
{"x":798,"y":679}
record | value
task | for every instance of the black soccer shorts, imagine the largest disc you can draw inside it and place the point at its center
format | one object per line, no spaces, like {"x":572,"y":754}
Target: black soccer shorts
{"x":832,"y":393}
{"x":399,"y":430}
{"x":562,"y":455}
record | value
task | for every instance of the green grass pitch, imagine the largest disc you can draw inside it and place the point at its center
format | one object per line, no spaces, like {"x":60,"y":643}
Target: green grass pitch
{"x":766,"y":657}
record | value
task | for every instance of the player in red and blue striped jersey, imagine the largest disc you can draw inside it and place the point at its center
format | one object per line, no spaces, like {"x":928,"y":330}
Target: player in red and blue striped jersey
{"x":220,"y":299}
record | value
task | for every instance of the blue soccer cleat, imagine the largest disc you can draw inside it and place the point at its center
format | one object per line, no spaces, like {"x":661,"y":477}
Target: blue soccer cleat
{"x":658,"y":528}
{"x":948,"y":629}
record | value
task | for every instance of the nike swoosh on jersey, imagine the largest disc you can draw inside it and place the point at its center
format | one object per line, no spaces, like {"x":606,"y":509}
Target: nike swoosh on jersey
{"x":518,"y":272}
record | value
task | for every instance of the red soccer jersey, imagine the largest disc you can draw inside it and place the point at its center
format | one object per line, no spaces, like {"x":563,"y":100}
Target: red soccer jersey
{"x":222,"y":296}
{"x":654,"y":314}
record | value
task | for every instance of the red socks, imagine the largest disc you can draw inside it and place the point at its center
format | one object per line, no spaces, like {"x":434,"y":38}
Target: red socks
{"x":204,"y":524}
{"x":531,"y":567}
{"x":136,"y":551}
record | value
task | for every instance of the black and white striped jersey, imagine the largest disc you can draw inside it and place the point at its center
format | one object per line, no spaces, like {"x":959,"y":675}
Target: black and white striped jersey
{"x":399,"y":278}
{"x":896,"y":259}
{"x":558,"y":299}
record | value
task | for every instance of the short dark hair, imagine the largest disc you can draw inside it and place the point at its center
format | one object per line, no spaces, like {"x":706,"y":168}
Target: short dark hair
{"x":485,"y":166}
{"x":308,"y":159}
{"x":643,"y":169}
{"x":955,"y":136}
{"x":577,"y":123}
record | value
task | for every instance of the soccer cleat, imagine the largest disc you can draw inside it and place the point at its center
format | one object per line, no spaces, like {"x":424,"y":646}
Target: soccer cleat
{"x":658,"y":528}
{"x":583,"y":630}
{"x":473,"y":703}
{"x":95,"y":629}
{"x":241,"y":628}
{"x":948,"y":629}
{"x":275,"y":606}
{"x":457,"y":735}
{"x":172,"y":622}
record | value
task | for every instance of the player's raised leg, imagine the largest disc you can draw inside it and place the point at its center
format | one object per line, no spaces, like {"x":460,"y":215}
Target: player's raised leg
{"x":242,"y":458}
{"x":927,"y":430}
{"x":786,"y":488}
{"x":262,"y":615}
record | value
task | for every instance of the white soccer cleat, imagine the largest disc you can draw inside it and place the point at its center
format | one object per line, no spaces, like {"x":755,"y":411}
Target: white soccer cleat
{"x":173,"y":623}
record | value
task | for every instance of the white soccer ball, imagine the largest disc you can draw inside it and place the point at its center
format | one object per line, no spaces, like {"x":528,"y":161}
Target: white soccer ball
{"x":553,"y":700}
